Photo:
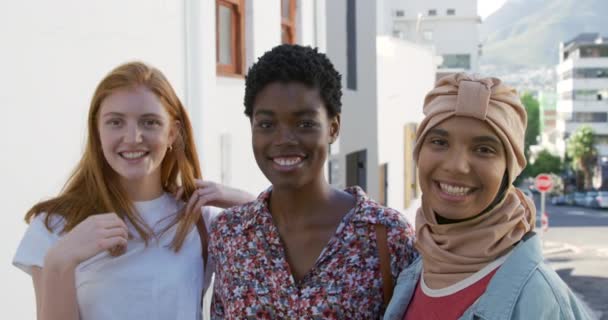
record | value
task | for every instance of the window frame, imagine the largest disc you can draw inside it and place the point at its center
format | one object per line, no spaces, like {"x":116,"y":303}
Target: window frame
{"x":289,"y":23}
{"x":237,"y":38}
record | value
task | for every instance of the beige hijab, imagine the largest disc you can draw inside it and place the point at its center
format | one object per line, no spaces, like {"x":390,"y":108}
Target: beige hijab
{"x":453,"y":252}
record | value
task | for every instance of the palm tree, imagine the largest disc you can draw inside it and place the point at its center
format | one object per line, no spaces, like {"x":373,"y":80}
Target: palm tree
{"x":582,"y":151}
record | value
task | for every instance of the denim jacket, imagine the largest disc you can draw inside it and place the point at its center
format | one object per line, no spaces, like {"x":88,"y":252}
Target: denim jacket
{"x":524,"y":287}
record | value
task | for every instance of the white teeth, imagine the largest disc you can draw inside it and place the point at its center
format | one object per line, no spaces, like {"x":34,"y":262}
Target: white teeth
{"x":132,"y":155}
{"x":454,"y":190}
{"x":287,"y":161}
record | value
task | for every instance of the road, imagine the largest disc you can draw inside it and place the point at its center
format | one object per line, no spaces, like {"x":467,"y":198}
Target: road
{"x":576,"y":246}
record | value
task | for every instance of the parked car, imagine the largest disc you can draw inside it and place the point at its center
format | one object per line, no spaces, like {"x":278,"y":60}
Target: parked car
{"x":600,"y":200}
{"x":579,"y":198}
{"x":590,"y":198}
{"x":558,"y":200}
{"x":569,"y":199}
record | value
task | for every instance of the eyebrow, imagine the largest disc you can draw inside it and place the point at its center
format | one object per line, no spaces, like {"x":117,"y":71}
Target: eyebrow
{"x":118,"y":114}
{"x":478,"y":139}
{"x":263,"y":112}
{"x":302,"y":113}
{"x":306,"y":113}
{"x":492,"y":139}
{"x":439,"y":132}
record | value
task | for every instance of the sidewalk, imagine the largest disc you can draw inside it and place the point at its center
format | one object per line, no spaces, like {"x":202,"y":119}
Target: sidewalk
{"x":560,"y":257}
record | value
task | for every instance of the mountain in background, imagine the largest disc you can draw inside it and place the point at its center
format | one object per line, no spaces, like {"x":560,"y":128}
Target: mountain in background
{"x":527,"y":33}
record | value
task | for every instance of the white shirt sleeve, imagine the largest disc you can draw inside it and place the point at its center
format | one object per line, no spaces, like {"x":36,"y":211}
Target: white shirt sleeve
{"x":209,"y":215}
{"x":36,"y":242}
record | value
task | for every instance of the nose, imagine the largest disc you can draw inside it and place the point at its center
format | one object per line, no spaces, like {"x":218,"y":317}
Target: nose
{"x":285,"y":135}
{"x":133,"y":134}
{"x":457,"y":161}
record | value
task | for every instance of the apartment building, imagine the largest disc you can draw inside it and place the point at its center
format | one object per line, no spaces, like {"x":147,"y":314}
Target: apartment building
{"x":451,"y":28}
{"x":582,"y":88}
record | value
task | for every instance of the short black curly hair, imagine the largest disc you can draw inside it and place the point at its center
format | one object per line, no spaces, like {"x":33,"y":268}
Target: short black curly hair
{"x":287,"y":63}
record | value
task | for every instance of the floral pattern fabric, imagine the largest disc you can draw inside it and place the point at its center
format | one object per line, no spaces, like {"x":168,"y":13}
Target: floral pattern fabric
{"x":253,"y":278}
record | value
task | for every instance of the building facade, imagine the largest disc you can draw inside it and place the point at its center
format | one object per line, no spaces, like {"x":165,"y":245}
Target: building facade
{"x":582,"y":88}
{"x":450,"y":27}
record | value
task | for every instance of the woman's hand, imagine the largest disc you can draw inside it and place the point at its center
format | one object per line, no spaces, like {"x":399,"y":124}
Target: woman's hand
{"x":210,"y":193}
{"x":93,"y":235}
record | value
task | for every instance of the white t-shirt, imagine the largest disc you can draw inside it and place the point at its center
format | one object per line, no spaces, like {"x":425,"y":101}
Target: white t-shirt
{"x":149,"y":283}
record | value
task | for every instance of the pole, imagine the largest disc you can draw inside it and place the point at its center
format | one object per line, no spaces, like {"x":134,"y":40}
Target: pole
{"x":542,"y":211}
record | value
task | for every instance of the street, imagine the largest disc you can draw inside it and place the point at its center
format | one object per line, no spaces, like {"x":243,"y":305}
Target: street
{"x":576,"y":246}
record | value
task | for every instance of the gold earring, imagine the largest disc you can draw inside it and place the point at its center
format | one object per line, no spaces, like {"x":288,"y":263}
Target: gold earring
{"x":170,"y":148}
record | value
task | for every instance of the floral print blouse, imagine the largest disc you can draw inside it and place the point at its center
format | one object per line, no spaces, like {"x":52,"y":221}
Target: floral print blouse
{"x":253,"y":278}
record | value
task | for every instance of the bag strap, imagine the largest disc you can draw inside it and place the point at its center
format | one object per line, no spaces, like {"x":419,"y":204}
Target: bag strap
{"x":385,"y":262}
{"x":202,"y":232}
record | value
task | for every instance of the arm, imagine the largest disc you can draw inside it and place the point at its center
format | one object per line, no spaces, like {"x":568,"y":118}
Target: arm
{"x":219,"y":195}
{"x":54,"y":283}
{"x":55,"y":291}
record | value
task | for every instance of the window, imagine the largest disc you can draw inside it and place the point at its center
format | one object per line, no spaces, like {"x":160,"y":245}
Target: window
{"x":594,"y":51}
{"x":589,"y":117}
{"x":591,"y":95}
{"x":590,"y":73}
{"x":456,"y":61}
{"x":230,"y":18}
{"x":427,"y":35}
{"x":451,"y":12}
{"x":432,"y":12}
{"x":288,"y":21}
{"x":351,"y":45}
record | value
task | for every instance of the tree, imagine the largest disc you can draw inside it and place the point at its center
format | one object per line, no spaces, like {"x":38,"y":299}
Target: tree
{"x":533,"y":131}
{"x":545,"y":162}
{"x":581,"y":148}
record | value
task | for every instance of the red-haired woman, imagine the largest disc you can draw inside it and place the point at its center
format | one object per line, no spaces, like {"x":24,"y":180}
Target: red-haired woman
{"x":116,"y":243}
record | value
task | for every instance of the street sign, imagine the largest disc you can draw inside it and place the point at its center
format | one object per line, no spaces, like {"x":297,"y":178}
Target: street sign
{"x":543,"y":183}
{"x":544,"y":222}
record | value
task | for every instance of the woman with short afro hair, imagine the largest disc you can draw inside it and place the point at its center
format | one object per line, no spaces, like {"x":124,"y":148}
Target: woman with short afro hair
{"x":303,"y":249}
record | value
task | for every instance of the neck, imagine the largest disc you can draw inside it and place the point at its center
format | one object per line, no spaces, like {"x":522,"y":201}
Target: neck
{"x":298,"y":205}
{"x":145,"y":189}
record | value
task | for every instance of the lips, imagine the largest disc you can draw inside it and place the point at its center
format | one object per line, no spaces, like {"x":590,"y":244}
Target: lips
{"x":453,"y":192}
{"x":133,"y":155}
{"x":287,"y":162}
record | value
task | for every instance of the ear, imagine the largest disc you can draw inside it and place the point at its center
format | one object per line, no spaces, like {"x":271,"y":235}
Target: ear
{"x":174,"y":131}
{"x":334,"y":128}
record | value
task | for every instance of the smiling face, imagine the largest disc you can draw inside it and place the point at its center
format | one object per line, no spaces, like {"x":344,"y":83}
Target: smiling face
{"x":462,"y":163}
{"x":291,"y":133}
{"x":135,"y":131}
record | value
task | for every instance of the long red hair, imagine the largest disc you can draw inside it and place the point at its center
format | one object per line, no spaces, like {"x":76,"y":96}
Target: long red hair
{"x":93,"y":186}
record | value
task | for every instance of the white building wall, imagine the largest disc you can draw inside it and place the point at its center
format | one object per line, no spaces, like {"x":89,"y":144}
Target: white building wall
{"x":359,"y":107}
{"x":406,"y":72}
{"x":451,"y":34}
{"x":53,"y":56}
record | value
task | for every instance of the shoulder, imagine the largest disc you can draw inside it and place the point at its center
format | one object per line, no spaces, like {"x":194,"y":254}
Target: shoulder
{"x":233,"y":216}
{"x":55,"y":224}
{"x":546,"y":296}
{"x":371,"y":211}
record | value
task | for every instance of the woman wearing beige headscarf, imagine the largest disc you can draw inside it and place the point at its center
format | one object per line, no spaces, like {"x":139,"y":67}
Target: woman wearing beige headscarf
{"x":480,"y":258}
